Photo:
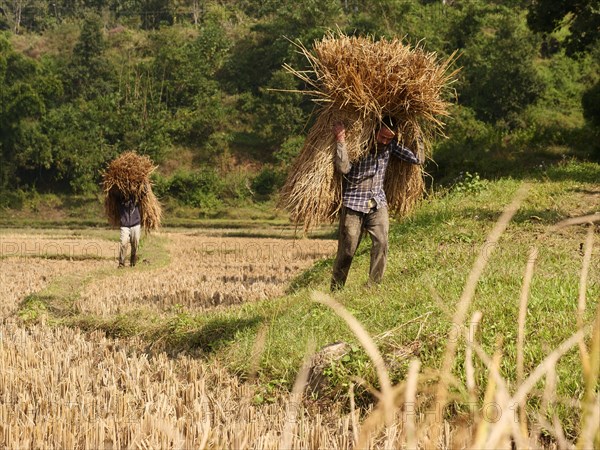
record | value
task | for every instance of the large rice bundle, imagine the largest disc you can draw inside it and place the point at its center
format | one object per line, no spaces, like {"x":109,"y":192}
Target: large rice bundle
{"x":129,"y":175}
{"x":358,"y":81}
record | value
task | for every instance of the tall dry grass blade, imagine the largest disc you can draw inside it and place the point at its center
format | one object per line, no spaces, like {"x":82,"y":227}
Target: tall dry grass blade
{"x":494,"y":380}
{"x":590,"y":432}
{"x":410,"y":398}
{"x":205,"y":437}
{"x":590,"y":428}
{"x":469,"y":290}
{"x":563,"y":443}
{"x":293,"y":406}
{"x":353,"y":413}
{"x":590,"y":218}
{"x":503,"y":402}
{"x":549,"y":394}
{"x":585,"y":269}
{"x":548,"y":402}
{"x":387,"y":397}
{"x":525,"y":289}
{"x":469,"y":368}
{"x":553,"y":428}
{"x":391,"y":434}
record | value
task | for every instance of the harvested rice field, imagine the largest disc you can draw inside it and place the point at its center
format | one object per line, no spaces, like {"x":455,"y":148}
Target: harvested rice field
{"x":65,"y":389}
{"x":61,"y":387}
{"x":207,"y":272}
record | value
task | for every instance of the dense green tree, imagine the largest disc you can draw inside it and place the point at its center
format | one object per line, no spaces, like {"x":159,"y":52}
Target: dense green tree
{"x":22,"y":103}
{"x":498,"y":79}
{"x":270,"y":41}
{"x":88,"y":72}
{"x":255,"y":67}
{"x":581,"y":20}
{"x":78,"y":146}
{"x":466,"y":21}
{"x":580,"y":17}
{"x":186,"y":72}
{"x":24,"y":15}
{"x":155,"y":13}
{"x":279,"y":114}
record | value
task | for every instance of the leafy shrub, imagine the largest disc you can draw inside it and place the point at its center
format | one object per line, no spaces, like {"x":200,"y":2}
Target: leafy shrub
{"x":237,"y":185}
{"x":267,"y":181}
{"x":591,"y":104}
{"x":469,"y":146}
{"x":490,"y":61}
{"x":13,"y":199}
{"x":201,"y":189}
{"x":289,"y":150}
{"x":468,"y":183}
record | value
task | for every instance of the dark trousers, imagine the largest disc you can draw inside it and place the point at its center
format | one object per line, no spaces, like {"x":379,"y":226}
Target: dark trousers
{"x":352,"y":225}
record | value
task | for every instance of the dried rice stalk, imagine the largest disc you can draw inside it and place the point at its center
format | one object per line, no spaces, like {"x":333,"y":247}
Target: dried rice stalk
{"x":129,"y":175}
{"x":358,"y":81}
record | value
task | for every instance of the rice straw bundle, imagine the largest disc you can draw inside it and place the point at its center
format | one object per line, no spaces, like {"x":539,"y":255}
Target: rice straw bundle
{"x":358,"y":81}
{"x":129,"y":175}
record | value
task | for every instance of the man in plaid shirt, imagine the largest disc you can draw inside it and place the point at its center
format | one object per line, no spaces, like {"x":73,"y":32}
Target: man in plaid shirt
{"x":364,"y":206}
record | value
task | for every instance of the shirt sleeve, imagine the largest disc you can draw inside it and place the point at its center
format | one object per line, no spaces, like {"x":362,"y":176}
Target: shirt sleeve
{"x":404,"y":153}
{"x":341,"y":160}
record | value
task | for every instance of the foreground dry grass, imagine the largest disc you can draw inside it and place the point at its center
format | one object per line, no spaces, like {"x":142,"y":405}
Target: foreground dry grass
{"x":63,"y":389}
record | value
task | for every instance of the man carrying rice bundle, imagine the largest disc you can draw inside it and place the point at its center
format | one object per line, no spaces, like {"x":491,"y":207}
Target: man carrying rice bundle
{"x":364,"y":203}
{"x":129,"y":201}
{"x":370,"y":167}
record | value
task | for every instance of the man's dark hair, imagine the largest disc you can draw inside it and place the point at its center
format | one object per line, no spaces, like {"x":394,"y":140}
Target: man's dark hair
{"x":389,"y":122}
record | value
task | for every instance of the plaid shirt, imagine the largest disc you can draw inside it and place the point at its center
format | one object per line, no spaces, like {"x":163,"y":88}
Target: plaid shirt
{"x":363,"y":180}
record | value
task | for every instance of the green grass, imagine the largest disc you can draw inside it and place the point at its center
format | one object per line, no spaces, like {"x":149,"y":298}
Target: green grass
{"x":431,"y":254}
{"x":53,"y":211}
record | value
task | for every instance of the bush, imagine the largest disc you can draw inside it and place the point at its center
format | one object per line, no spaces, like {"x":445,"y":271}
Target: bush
{"x":468,"y":183}
{"x":468,"y":148}
{"x":237,"y":185}
{"x":490,"y":61}
{"x":201,"y":189}
{"x":267,"y":181}
{"x":13,"y":199}
{"x":591,"y":104}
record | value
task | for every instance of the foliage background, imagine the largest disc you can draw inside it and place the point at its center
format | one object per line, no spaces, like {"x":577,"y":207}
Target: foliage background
{"x":196,"y":85}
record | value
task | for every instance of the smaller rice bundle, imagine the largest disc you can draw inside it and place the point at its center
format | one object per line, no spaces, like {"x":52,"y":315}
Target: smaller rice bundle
{"x":358,"y":81}
{"x":128,"y":175}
